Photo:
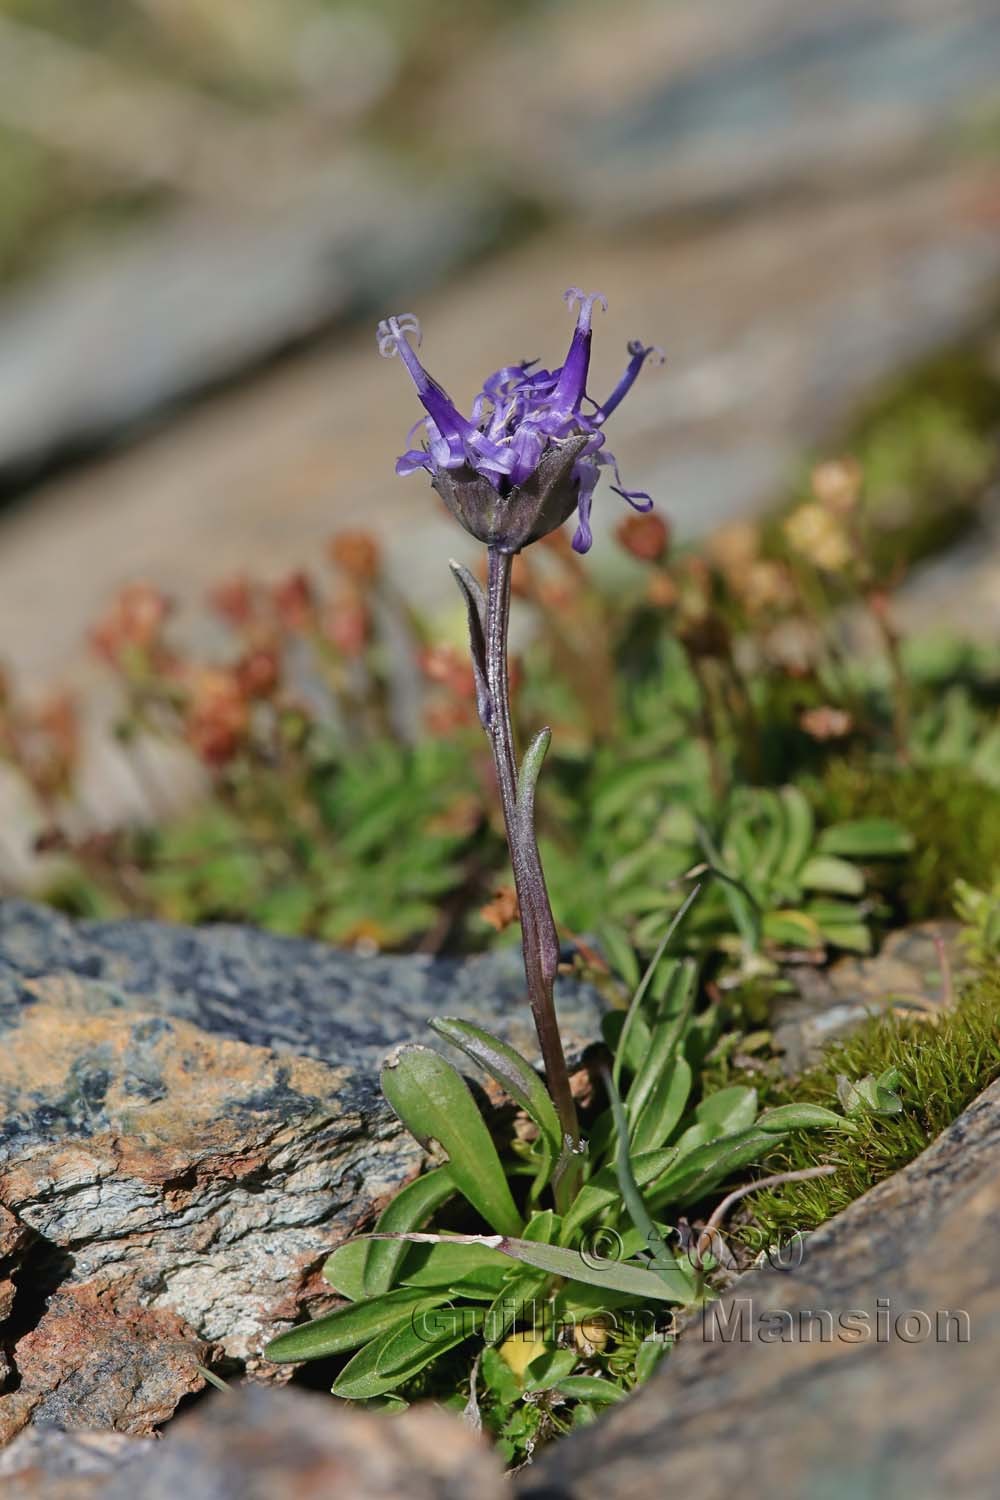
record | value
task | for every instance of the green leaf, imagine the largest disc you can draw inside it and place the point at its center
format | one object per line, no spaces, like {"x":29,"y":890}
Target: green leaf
{"x":345,"y":1269}
{"x":590,"y":1388}
{"x":543,"y":1227}
{"x":854,"y":937}
{"x":635,"y":1006}
{"x":866,"y":838}
{"x":728,"y":1109}
{"x":411,"y":1208}
{"x":516,"y":1077}
{"x":800,"y":1117}
{"x":666,"y":1035}
{"x":825,"y":872}
{"x":347,"y":1327}
{"x":792,"y":929}
{"x":664,"y":1107}
{"x":614,"y":943}
{"x":798,"y":832}
{"x":635,"y":1206}
{"x":398,"y":1355}
{"x":531,"y":769}
{"x":871,"y":1095}
{"x":434,"y":1103}
{"x":521,"y":1287}
{"x":468,"y":1269}
{"x":708,"y":1165}
{"x":499,"y":1378}
{"x":651,"y":1351}
{"x":557,"y":1261}
{"x":549,"y":1368}
{"x":743,"y":908}
{"x":475,"y":605}
{"x":602,"y":1190}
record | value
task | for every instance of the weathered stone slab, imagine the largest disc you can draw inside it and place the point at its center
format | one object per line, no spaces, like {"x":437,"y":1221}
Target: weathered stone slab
{"x":189,"y":1122}
{"x":899,"y":1400}
{"x":910,"y":973}
{"x":262,"y":1445}
{"x":59,"y":1465}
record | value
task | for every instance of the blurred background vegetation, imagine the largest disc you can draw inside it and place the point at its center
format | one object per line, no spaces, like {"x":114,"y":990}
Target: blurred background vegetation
{"x":204,"y":207}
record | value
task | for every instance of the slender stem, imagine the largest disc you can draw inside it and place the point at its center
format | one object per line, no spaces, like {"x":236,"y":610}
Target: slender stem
{"x":540,"y":943}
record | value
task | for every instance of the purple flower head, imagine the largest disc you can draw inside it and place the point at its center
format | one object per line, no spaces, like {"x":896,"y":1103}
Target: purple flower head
{"x":530,"y":454}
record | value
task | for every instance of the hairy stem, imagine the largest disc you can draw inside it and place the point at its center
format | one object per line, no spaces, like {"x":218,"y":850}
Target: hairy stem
{"x":539,"y":941}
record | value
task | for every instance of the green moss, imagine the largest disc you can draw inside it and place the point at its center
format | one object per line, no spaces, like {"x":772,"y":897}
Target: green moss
{"x":953,"y":817}
{"x":943,"y":1066}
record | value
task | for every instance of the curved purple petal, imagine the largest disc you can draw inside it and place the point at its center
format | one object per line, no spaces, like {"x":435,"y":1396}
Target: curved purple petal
{"x":572,"y":384}
{"x":640,"y":353}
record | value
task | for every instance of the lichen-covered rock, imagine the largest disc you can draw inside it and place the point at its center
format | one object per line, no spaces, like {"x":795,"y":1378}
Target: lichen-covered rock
{"x":265,"y":1445}
{"x":114,"y":1366}
{"x":189,"y":1122}
{"x":868,"y":1369}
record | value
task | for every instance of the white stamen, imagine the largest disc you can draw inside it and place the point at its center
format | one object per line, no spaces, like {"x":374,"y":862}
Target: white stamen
{"x":636,"y":346}
{"x":391,"y":330}
{"x":574,"y":294}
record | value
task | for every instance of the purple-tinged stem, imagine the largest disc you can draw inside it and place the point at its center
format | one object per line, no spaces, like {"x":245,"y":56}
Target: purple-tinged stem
{"x":539,"y":941}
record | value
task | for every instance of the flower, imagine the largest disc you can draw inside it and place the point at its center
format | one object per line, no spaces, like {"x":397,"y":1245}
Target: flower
{"x":816,"y":534}
{"x":530,"y":455}
{"x":356,"y":553}
{"x":826,"y":723}
{"x":837,"y":484}
{"x":645,"y":537}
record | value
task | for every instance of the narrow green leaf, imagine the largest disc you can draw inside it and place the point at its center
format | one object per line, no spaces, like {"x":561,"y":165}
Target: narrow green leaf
{"x":866,"y":838}
{"x":826,"y":872}
{"x":468,"y":1269}
{"x":854,"y":937}
{"x":531,"y":769}
{"x":742,"y":907}
{"x":728,"y":1109}
{"x":475,"y":605}
{"x":519,"y":1290}
{"x":434,"y":1103}
{"x":411,"y":1208}
{"x":398,"y":1355}
{"x":801,"y":1117}
{"x":708,"y":1165}
{"x":663,"y":1261}
{"x":666,"y":1036}
{"x":602,"y":1191}
{"x":543,"y":1227}
{"x":516,"y":1077}
{"x":347,"y":1327}
{"x":590,"y":1388}
{"x":792,"y":929}
{"x":664,"y":1107}
{"x":614,"y":942}
{"x":557,"y":1261}
{"x":548,"y":1369}
{"x":633,"y":1012}
{"x":345,"y":1269}
{"x":799,"y":830}
{"x":651,"y":1351}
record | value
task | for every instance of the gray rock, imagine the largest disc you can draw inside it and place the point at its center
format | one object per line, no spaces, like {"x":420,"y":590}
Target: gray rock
{"x":191,"y":1121}
{"x":867,"y":1370}
{"x":51,"y":1462}
{"x":906,"y":975}
{"x":264,"y":1445}
{"x":706,"y":107}
{"x":202,"y":297}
